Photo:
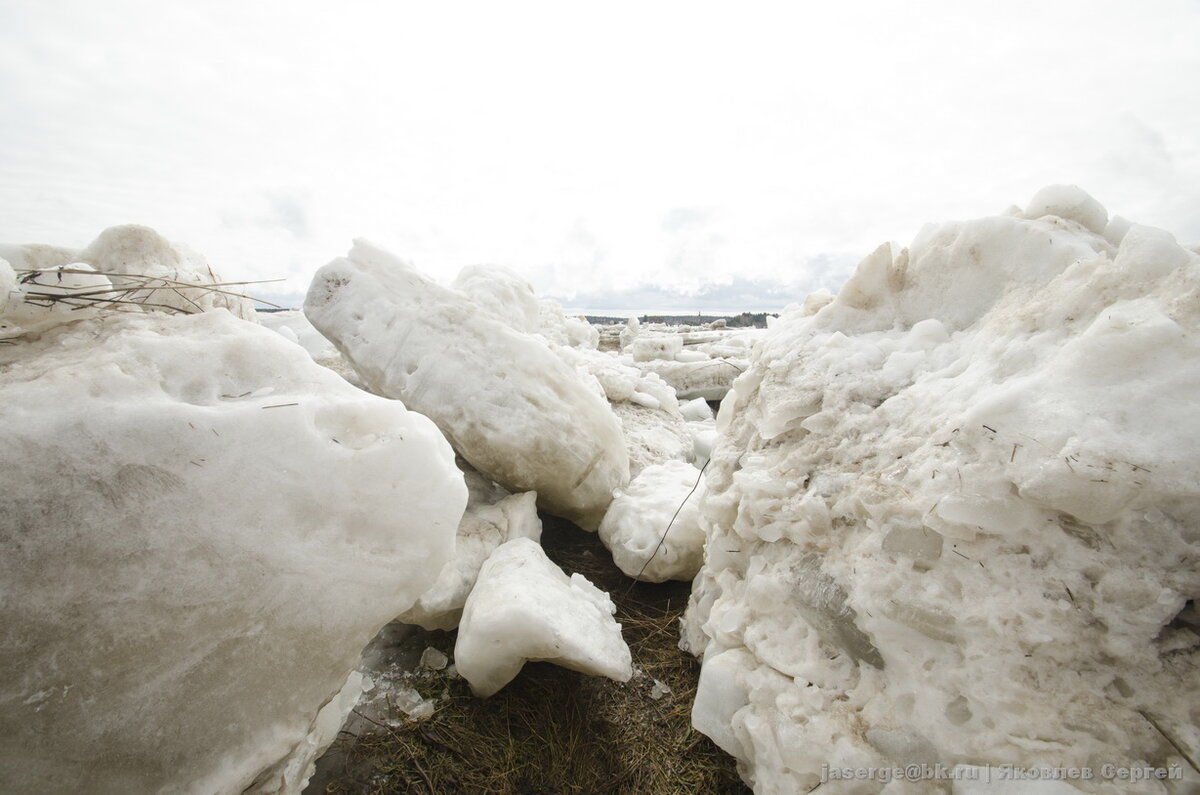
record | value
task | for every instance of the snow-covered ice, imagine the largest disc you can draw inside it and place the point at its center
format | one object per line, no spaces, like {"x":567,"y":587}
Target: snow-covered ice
{"x":635,"y":529}
{"x":505,"y":401}
{"x":954,"y":512}
{"x":523,"y":608}
{"x":202,"y":531}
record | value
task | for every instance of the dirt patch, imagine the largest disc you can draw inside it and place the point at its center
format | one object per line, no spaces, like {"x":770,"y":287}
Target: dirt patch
{"x":552,"y":730}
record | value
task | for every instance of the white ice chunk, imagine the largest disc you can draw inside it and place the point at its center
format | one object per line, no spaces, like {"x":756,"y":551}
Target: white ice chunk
{"x":556,"y":327}
{"x":1070,"y":202}
{"x":9,"y":293}
{"x":525,"y":608}
{"x":952,"y":514}
{"x":291,"y":774}
{"x":696,"y":410}
{"x":293,"y":325}
{"x":158,"y":271}
{"x":505,"y":401}
{"x":37,"y":256}
{"x":192,"y":565}
{"x":632,"y":329}
{"x":647,"y":347}
{"x":708,"y":379}
{"x":433,"y":660}
{"x":503,"y":293}
{"x":653,"y":436}
{"x":126,"y":269}
{"x":635,"y":529}
{"x":704,"y":437}
{"x":49,"y":298}
{"x":484,"y":527}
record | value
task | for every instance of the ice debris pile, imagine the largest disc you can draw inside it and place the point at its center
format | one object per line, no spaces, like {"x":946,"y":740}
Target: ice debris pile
{"x":522,"y":393}
{"x":953,"y":515}
{"x":202,"y":531}
{"x":536,"y":412}
{"x":700,"y":363}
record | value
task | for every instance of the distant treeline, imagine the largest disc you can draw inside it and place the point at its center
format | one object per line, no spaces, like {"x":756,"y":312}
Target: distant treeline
{"x":744,"y":320}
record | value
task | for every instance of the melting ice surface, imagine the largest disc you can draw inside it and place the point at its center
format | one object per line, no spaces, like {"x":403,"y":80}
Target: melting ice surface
{"x":953,"y":513}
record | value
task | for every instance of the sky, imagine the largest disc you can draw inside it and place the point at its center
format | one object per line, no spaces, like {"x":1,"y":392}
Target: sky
{"x":614,"y":154}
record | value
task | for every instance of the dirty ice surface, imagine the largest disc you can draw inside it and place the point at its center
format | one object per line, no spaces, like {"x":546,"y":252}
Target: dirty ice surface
{"x":953,"y":513}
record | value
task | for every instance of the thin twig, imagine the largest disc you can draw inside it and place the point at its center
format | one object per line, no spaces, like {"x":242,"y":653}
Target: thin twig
{"x":404,"y":745}
{"x":1170,"y":739}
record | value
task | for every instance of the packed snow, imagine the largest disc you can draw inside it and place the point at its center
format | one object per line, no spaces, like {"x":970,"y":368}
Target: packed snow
{"x":203,"y":530}
{"x":522,"y":608}
{"x":952,"y":515}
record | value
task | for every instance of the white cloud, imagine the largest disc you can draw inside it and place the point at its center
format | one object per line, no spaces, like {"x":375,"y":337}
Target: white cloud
{"x":591,"y":148}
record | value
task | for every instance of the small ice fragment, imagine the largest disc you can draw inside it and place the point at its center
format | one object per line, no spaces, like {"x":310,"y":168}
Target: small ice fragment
{"x":410,"y":702}
{"x":433,"y":660}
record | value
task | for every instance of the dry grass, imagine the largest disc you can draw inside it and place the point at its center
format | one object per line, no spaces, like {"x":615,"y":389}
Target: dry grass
{"x":44,"y":287}
{"x":552,"y":730}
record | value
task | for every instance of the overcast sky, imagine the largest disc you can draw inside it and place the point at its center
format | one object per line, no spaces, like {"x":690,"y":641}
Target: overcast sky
{"x":742,"y":151}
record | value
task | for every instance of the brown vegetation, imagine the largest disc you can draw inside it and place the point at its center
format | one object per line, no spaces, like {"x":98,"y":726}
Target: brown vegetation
{"x":552,"y":730}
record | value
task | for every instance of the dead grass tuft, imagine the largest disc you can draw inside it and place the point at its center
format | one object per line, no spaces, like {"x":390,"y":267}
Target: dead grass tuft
{"x":553,"y":731}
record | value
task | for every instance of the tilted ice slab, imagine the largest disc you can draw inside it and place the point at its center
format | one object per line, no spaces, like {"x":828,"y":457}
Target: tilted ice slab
{"x":486,"y":524}
{"x":507,"y":404}
{"x":651,"y":347}
{"x":202,"y":530}
{"x":954,"y":513}
{"x":523,"y":608}
{"x":707,"y":378}
{"x":652,"y":527}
